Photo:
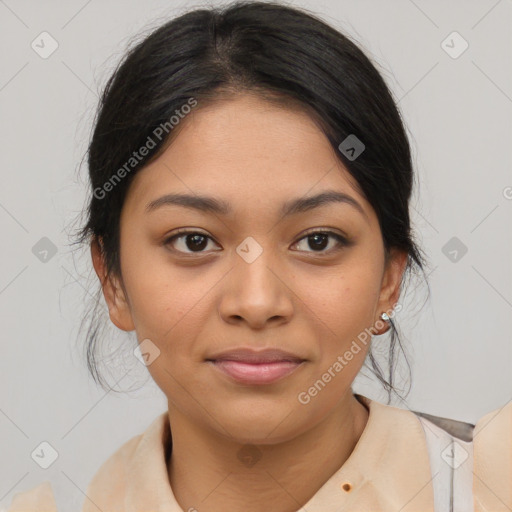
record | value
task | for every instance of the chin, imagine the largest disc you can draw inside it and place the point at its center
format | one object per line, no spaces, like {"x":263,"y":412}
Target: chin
{"x":261,"y":426}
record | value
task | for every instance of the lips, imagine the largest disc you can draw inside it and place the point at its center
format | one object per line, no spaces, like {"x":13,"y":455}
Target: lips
{"x":252,"y":356}
{"x":248,"y":366}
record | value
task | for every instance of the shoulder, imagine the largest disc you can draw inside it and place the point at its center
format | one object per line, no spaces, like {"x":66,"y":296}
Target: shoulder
{"x":493,"y":460}
{"x":497,"y":422}
{"x":38,"y":499}
{"x":105,"y":487}
{"x":120,"y":478}
{"x":109,"y":482}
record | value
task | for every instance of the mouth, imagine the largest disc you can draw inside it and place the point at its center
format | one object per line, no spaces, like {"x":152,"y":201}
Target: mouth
{"x":247,"y":366}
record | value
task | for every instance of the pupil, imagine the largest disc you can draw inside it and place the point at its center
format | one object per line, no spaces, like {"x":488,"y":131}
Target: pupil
{"x":194,"y":244}
{"x":316,"y":236}
{"x":199,"y":241}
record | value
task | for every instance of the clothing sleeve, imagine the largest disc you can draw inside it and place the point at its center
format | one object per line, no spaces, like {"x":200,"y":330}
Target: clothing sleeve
{"x":37,"y":499}
{"x":492,"y":480}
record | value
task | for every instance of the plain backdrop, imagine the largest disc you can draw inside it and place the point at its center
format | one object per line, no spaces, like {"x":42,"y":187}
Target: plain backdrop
{"x":457,"y":106}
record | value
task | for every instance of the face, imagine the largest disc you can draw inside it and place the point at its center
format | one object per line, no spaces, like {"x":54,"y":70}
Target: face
{"x":258,"y":273}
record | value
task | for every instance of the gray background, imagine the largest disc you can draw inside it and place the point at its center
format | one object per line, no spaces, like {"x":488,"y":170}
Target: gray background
{"x":458,"y":115}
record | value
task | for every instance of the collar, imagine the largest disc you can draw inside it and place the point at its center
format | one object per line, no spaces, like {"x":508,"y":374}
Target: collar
{"x":388,"y":468}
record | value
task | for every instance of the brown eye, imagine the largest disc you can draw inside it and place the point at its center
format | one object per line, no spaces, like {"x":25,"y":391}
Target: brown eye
{"x":318,"y":241}
{"x":188,"y":242}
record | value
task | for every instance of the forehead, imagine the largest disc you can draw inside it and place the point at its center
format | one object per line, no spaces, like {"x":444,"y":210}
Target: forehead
{"x":242,"y":149}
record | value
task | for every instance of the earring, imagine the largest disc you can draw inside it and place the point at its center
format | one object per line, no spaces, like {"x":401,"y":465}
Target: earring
{"x":385,"y":317}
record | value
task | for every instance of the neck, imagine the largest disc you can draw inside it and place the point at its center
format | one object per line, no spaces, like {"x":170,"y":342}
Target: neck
{"x":210,"y":472}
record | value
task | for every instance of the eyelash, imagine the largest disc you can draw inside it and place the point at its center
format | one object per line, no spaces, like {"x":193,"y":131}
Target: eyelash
{"x":341,"y":240}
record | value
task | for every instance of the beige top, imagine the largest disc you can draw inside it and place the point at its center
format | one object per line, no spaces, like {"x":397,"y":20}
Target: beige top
{"x":388,"y":470}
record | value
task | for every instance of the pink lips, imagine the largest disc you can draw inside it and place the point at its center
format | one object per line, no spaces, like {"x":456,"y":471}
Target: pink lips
{"x":250,"y":367}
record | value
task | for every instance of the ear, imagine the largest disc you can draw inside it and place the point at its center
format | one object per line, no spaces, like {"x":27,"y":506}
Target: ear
{"x":115,"y":297}
{"x":390,"y":287}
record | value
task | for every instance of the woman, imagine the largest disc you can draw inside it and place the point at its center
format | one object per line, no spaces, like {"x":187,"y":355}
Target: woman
{"x":250,"y":179}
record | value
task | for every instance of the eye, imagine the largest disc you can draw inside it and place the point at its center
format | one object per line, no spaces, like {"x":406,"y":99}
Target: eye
{"x":319,"y":240}
{"x":188,"y":241}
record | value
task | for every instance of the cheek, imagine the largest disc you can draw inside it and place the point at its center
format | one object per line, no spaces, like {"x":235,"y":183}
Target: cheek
{"x":343,"y":298}
{"x":163,"y":303}
{"x":167,"y":309}
{"x":169,"y":304}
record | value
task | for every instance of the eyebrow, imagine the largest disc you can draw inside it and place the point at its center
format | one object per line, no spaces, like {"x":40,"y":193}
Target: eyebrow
{"x":209,"y":204}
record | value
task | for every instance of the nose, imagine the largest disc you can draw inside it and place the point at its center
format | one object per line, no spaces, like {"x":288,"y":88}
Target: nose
{"x":257,"y":293}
